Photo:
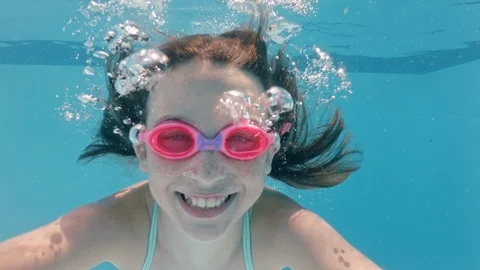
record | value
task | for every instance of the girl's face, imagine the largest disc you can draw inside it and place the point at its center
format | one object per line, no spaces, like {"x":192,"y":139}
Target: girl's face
{"x":204,"y":194}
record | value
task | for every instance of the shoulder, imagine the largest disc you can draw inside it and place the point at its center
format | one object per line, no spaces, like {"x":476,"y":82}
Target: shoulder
{"x":116,"y":210}
{"x":299,"y":238}
{"x":84,"y":237}
{"x":126,"y":214}
{"x":110,"y":226}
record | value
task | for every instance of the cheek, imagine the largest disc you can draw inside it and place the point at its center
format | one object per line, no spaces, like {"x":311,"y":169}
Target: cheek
{"x":164,"y":168}
{"x":252,"y":169}
{"x":252,"y":177}
{"x":162,"y":174}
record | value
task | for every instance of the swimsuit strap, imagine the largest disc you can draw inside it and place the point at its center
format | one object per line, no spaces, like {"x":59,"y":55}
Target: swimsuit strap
{"x":152,"y":239}
{"x":247,"y":245}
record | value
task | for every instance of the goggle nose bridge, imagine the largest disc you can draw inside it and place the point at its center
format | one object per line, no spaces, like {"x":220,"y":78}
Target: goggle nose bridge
{"x":212,"y":145}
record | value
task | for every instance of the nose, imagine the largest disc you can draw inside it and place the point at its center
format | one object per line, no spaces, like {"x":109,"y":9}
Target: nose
{"x":206,"y":168}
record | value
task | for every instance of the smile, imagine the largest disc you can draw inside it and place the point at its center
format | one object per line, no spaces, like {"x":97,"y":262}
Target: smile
{"x":205,"y":206}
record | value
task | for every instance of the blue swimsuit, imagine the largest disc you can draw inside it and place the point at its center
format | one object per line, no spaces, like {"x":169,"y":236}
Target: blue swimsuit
{"x":152,"y":240}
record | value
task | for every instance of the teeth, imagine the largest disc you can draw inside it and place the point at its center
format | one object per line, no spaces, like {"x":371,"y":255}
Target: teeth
{"x":204,"y":203}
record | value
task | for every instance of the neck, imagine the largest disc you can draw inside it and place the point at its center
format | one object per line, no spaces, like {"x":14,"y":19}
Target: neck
{"x":196,"y":255}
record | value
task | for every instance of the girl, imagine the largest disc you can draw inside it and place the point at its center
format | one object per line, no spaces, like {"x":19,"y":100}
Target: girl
{"x":188,"y":115}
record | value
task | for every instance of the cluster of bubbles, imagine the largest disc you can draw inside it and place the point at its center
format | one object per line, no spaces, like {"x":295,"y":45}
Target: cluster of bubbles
{"x":323,"y":80}
{"x":279,"y":29}
{"x":131,"y":73}
{"x":300,"y":7}
{"x":105,"y":22}
{"x":121,"y":35}
{"x":111,"y":12}
{"x":219,"y":24}
{"x":266,"y":109}
{"x":134,"y":71}
{"x":320,"y":79}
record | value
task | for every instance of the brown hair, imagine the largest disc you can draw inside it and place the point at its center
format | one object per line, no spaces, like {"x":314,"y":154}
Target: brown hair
{"x":308,"y":158}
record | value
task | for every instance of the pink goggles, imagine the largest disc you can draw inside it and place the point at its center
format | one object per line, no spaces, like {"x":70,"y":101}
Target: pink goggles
{"x":176,"y":140}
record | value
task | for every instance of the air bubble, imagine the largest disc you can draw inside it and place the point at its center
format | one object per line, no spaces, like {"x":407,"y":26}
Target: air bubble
{"x":68,"y":115}
{"x":93,"y":22}
{"x":109,"y":36}
{"x":96,"y":7}
{"x":88,"y":71}
{"x":132,"y":30}
{"x":85,"y":98}
{"x":280,"y":31}
{"x":127,"y":121}
{"x":100,"y":54}
{"x":277,"y":101}
{"x":89,"y":42}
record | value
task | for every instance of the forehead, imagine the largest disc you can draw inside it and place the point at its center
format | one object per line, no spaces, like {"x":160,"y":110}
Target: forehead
{"x":193,"y":91}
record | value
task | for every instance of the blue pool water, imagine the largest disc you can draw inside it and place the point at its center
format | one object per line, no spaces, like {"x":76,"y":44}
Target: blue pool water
{"x":414,"y":112}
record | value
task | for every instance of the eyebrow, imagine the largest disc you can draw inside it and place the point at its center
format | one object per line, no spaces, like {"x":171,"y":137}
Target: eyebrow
{"x":187,"y":121}
{"x":173,"y":117}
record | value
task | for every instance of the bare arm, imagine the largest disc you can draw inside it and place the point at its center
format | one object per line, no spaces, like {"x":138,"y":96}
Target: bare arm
{"x":319,"y":246}
{"x":78,"y":240}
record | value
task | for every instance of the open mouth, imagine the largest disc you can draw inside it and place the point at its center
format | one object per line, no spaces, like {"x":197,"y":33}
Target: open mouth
{"x":205,"y":206}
